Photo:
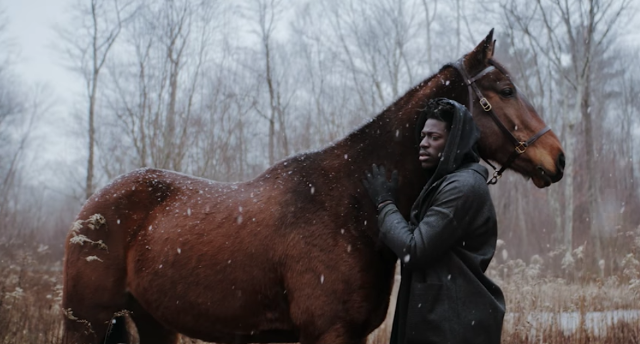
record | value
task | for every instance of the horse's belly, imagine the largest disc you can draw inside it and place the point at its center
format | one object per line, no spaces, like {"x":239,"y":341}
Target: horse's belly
{"x":194,"y":307}
{"x":207,"y":293}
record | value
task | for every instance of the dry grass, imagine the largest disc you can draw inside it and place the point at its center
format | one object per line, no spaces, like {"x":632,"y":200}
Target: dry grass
{"x":544,"y":309}
{"x":30,"y":296}
{"x":30,"y":293}
{"x":551,"y":310}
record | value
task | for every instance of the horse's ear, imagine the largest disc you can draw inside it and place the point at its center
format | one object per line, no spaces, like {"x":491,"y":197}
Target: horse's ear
{"x":484,"y":51}
{"x":493,"y":48}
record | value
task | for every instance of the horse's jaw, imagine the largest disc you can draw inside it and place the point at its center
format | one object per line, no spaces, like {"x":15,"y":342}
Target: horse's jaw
{"x":544,"y":179}
{"x":541,"y":181}
{"x":540,"y":177}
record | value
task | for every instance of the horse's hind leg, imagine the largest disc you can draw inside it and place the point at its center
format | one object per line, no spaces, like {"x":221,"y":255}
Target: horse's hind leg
{"x":117,"y":332}
{"x":98,"y":327}
{"x":90,"y":308}
{"x":94,"y":282}
{"x":150,"y":330}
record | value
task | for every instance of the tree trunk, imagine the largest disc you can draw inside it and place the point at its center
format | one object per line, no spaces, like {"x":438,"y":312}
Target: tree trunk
{"x":595,"y":223}
{"x":569,"y":171}
{"x":92,"y":132}
{"x":272,"y":105}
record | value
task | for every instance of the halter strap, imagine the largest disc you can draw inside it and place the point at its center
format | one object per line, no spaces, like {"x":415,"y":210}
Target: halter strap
{"x":520,"y":146}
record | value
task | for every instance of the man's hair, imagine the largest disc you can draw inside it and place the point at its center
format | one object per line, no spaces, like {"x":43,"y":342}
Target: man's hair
{"x":441,"y":110}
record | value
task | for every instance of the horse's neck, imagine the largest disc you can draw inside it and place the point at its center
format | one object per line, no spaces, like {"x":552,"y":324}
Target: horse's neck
{"x":390,"y":139}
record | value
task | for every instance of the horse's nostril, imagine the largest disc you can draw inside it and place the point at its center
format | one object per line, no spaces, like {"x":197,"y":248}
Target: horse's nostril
{"x":561,"y":162}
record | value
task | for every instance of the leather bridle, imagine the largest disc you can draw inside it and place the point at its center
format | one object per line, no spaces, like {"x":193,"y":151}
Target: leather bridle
{"x":520,"y":146}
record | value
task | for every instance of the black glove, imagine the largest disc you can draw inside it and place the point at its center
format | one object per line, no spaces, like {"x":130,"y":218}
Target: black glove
{"x":379,"y":188}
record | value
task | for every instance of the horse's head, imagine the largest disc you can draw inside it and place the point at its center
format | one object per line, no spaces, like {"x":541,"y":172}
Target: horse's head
{"x":512,"y":132}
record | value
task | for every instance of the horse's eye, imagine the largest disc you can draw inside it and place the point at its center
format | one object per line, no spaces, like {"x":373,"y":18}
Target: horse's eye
{"x":507,"y":92}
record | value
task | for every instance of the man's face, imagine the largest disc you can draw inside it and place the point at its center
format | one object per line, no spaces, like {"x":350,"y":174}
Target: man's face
{"x":434,"y":138}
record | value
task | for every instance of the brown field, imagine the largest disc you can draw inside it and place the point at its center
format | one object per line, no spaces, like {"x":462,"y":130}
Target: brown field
{"x":542,"y":308}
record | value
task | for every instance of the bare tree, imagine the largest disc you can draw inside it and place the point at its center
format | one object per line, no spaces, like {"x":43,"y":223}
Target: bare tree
{"x":266,"y":15}
{"x":323,"y":99}
{"x":375,"y":39}
{"x":618,"y":185}
{"x":430,"y":16}
{"x":576,"y":34}
{"x":155,"y":93}
{"x":100,"y":23}
{"x":12,"y":111}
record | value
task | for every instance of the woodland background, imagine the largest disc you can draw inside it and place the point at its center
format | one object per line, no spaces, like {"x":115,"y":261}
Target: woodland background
{"x":223,"y":89}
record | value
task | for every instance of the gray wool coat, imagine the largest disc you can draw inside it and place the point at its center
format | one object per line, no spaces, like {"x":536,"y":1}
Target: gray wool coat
{"x":444,"y":250}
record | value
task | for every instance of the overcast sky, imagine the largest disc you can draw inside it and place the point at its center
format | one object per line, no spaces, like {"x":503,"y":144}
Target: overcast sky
{"x":31,"y":29}
{"x":31,"y":25}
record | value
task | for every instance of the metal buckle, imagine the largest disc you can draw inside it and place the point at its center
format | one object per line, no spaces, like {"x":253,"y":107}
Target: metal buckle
{"x":495,"y":178}
{"x":485,"y":104}
{"x":521,"y":148}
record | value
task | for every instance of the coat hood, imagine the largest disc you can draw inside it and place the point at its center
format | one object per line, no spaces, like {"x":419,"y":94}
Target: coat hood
{"x":461,"y":143}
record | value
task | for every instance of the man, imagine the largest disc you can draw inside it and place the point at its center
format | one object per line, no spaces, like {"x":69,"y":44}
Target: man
{"x":450,"y":238}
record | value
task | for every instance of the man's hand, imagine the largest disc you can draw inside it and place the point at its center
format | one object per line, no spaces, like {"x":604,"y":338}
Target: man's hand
{"x":379,"y":188}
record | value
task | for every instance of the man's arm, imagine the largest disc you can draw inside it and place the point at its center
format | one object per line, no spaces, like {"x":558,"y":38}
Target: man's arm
{"x":442,"y":226}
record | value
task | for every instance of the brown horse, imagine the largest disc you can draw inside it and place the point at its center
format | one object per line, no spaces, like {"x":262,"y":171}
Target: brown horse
{"x":291,"y":255}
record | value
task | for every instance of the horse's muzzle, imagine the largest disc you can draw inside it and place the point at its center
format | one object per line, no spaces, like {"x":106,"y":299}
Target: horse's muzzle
{"x":548,"y":177}
{"x":559,"y":168}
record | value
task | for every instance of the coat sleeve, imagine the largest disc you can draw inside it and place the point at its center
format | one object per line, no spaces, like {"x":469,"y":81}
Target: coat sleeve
{"x":442,"y":226}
